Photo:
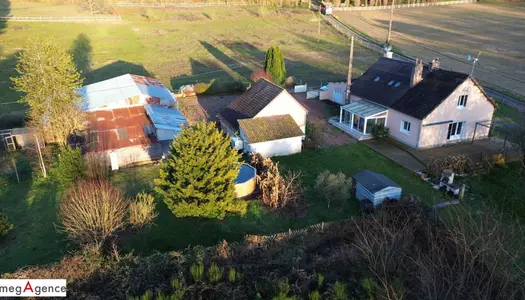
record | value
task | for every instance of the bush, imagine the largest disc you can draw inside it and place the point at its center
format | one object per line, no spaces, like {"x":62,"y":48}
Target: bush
{"x":97,"y":167}
{"x":232,"y":275}
{"x":278,"y":192}
{"x":4,"y":186}
{"x":339,"y":291}
{"x":70,"y":166}
{"x":142,"y":210}
{"x":336,"y":187}
{"x":215,"y":273}
{"x":5,"y":227}
{"x":380,"y":132}
{"x":197,"y":271}
{"x":92,"y":211}
{"x":198,"y":177}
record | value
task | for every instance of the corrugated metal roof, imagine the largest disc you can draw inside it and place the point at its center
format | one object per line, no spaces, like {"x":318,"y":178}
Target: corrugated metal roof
{"x":120,"y":88}
{"x":364,"y":108}
{"x":118,"y":128}
{"x":166,"y":118}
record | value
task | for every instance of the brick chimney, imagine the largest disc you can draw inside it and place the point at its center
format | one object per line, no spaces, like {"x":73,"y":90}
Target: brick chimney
{"x":434,"y":64}
{"x":417,"y":73}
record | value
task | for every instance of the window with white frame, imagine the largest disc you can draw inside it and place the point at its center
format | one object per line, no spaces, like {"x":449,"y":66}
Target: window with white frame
{"x":455,"y":130}
{"x":405,"y":127}
{"x":462,"y":101}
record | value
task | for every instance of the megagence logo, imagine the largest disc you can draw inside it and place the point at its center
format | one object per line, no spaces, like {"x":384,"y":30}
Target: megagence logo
{"x":33,"y":288}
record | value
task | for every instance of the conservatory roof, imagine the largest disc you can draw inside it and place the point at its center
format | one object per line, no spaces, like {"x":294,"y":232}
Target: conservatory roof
{"x":364,"y":108}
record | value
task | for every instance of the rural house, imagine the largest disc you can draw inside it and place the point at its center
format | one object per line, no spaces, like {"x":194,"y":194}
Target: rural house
{"x":131,"y":119}
{"x":265,"y":119}
{"x":423,"y":106}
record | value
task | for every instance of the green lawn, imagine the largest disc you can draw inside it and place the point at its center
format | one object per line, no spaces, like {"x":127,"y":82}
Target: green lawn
{"x":32,"y":209}
{"x":508,"y":114}
{"x":502,"y":189}
{"x":185,"y":46}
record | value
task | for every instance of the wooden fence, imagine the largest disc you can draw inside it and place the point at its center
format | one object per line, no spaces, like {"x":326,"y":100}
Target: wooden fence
{"x":59,"y":19}
{"x":411,"y":5}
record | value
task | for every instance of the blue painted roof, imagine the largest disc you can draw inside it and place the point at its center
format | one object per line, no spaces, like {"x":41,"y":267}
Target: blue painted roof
{"x":166,"y":118}
{"x":121,"y":88}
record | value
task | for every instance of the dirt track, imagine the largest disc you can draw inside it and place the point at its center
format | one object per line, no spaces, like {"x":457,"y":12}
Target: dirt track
{"x":454,"y":32}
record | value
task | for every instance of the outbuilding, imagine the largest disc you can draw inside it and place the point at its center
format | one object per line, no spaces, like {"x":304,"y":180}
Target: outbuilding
{"x":271,"y":136}
{"x":375,"y":188}
{"x":168,"y":122}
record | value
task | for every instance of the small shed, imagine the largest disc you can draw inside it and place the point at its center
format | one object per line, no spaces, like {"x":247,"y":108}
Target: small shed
{"x":375,"y":187}
{"x":168,"y":122}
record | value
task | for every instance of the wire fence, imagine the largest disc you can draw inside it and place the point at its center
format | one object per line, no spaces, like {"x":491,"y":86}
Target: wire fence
{"x":261,"y":239}
{"x":412,"y":5}
{"x":60,"y":19}
{"x":184,"y":5}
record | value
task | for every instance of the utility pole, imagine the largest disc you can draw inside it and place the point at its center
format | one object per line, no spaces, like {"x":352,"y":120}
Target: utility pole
{"x":40,"y":155}
{"x":319,"y":29}
{"x":349,"y":78}
{"x":390,"y":23}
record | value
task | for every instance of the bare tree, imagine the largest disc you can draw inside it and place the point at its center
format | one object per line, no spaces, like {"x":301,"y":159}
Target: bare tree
{"x":92,"y":211}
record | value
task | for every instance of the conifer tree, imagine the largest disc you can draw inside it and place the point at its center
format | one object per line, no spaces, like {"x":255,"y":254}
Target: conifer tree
{"x":274,"y":65}
{"x":198,"y":177}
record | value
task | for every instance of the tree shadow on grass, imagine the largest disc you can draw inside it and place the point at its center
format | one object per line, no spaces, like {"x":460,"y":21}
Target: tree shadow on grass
{"x":5,"y":10}
{"x":11,"y":113}
{"x":32,"y":208}
{"x":117,"y":68}
{"x":81,"y":50}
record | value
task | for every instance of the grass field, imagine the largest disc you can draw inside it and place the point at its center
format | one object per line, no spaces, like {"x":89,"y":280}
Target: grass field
{"x":32,"y":208}
{"x":454,"y":32}
{"x":186,"y":46}
{"x":40,"y":9}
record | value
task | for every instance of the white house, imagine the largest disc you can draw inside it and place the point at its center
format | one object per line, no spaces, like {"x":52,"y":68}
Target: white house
{"x":423,"y":106}
{"x":265,"y":119}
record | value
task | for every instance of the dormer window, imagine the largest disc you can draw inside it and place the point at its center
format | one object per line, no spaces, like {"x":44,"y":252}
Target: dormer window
{"x":462,"y":101}
{"x":391,"y":82}
{"x":377,"y":78}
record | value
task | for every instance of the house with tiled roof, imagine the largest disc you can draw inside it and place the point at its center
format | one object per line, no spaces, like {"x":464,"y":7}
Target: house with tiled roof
{"x":265,"y":119}
{"x":422,"y":105}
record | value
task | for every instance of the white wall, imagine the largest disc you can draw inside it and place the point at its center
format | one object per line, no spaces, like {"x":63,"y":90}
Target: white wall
{"x":278,"y":147}
{"x":284,"y":104}
{"x":393,"y":122}
{"x":166,"y":134}
{"x":478,"y":109}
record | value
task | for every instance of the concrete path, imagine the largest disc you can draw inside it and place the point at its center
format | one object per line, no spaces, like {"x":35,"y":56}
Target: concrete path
{"x":396,"y":154}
